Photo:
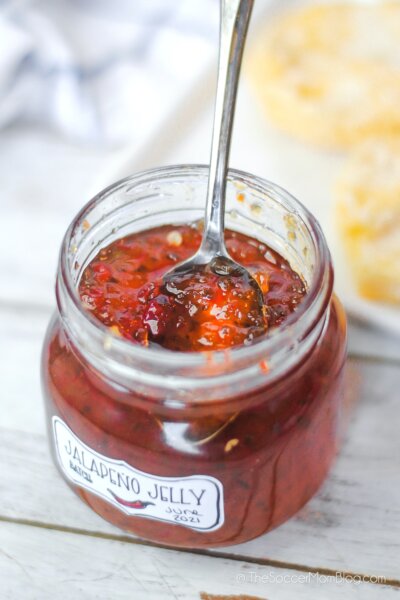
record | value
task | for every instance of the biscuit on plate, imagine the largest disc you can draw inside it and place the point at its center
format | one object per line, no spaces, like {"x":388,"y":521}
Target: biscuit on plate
{"x":367,"y":208}
{"x":330,"y":73}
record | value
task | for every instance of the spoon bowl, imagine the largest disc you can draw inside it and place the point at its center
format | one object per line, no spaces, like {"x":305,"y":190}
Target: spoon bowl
{"x":222,"y":266}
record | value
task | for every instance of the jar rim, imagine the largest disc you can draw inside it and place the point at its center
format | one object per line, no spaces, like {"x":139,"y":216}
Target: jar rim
{"x":314,"y":301}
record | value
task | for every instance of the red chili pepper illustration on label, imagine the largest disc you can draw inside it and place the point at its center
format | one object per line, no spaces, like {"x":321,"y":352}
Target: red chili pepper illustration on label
{"x":130,"y":504}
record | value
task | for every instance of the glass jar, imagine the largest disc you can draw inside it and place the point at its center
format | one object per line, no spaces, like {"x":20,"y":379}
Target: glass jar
{"x":195,"y":449}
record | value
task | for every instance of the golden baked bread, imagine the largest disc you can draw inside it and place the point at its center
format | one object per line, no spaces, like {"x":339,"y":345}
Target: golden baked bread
{"x":330,"y":73}
{"x":368,"y":216}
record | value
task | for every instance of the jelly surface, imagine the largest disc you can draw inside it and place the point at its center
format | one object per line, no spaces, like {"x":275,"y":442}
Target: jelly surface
{"x":123,"y":287}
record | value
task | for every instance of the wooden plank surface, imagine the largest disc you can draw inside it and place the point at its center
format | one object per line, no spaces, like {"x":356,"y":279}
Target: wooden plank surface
{"x":43,"y":564}
{"x":352,"y":525}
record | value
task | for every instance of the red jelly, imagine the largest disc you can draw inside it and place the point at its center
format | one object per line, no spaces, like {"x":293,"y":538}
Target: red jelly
{"x":193,"y":422}
{"x":123,"y":287}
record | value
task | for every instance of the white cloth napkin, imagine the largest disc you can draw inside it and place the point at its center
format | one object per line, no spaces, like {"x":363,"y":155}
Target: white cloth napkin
{"x":101,"y":70}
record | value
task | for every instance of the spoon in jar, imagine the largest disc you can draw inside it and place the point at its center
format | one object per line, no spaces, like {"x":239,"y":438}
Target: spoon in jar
{"x":212,"y":258}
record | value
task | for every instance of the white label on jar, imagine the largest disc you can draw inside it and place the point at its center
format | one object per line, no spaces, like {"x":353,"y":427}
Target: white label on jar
{"x":195,"y":502}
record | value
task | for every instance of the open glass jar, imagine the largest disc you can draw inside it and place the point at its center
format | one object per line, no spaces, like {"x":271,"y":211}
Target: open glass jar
{"x":195,"y":449}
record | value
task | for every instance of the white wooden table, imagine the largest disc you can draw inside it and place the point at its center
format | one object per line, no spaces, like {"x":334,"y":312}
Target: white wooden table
{"x":53,"y":547}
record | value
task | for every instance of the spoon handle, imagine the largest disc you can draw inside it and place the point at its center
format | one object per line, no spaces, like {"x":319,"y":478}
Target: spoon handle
{"x":235,"y":17}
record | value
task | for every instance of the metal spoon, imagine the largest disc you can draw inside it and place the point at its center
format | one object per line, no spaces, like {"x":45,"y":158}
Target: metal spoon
{"x":212,"y":254}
